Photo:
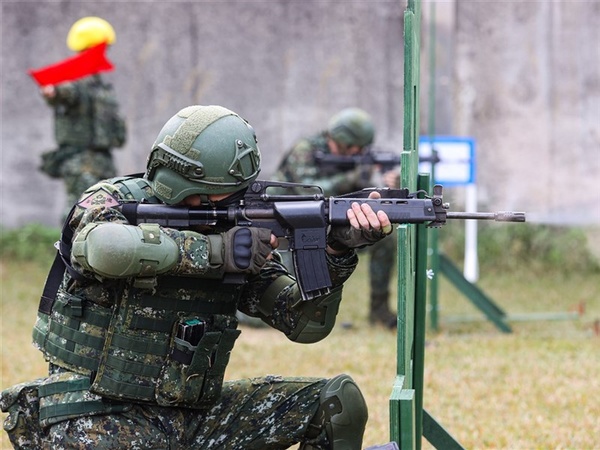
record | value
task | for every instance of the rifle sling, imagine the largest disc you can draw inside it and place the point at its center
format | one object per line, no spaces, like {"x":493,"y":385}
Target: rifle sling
{"x":60,"y":264}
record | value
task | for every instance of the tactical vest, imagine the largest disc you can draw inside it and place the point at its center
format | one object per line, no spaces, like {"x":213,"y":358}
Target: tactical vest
{"x":168,"y":345}
{"x":94,"y":120}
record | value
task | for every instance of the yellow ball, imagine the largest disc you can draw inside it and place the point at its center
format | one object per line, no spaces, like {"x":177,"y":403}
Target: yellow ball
{"x":88,"y":32}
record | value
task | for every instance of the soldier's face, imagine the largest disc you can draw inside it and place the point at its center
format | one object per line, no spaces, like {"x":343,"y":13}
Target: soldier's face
{"x":338,"y":148}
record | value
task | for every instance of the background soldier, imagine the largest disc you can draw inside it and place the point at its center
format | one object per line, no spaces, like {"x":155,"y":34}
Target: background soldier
{"x":349,"y":132}
{"x":86,"y":119}
{"x":139,"y":330}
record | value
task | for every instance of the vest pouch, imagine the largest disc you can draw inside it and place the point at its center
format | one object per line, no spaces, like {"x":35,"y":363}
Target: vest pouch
{"x":22,"y":403}
{"x":192,"y":375}
{"x":213,"y":382}
{"x":66,"y":395}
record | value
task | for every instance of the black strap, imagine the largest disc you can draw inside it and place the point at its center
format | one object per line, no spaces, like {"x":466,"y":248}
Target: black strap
{"x":60,"y":264}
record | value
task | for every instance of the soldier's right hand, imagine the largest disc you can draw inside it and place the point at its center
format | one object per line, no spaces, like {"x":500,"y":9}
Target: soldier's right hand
{"x":245,"y":250}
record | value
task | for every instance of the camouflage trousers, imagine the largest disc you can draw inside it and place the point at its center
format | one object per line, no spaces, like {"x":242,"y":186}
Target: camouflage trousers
{"x":260,"y":413}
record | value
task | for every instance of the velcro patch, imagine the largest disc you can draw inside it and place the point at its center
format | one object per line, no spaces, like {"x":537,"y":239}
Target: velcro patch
{"x":101,"y":197}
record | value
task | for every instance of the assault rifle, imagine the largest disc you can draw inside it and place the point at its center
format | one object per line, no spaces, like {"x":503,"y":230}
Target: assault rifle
{"x":303,"y":219}
{"x":370,"y":157}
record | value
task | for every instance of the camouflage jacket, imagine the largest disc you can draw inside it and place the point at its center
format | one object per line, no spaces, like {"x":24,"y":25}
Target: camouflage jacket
{"x":299,"y":166}
{"x":122,"y":330}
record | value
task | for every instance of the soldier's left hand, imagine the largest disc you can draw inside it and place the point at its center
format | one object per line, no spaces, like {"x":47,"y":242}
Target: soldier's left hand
{"x":362,"y":216}
{"x":366,"y":227}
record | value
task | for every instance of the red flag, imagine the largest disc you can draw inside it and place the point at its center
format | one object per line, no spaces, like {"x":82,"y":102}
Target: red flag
{"x":88,"y":62}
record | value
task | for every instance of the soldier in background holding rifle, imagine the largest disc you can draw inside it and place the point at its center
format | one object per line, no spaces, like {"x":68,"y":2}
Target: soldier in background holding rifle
{"x":328,"y":159}
{"x":86,"y":119}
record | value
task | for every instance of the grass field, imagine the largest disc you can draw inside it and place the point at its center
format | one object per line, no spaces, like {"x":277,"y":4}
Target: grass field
{"x":535,"y":388}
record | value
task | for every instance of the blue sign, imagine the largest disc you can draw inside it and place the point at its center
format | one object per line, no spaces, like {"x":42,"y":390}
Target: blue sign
{"x":456,"y":164}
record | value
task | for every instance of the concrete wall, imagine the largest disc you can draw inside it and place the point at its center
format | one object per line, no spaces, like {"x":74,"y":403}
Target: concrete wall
{"x":523,"y":78}
{"x":285,"y":66}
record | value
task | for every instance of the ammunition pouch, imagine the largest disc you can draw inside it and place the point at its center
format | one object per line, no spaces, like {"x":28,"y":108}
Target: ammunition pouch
{"x":53,"y":160}
{"x":170,"y":357}
{"x":33,"y":406}
{"x":22,"y":425}
{"x":192,"y":375}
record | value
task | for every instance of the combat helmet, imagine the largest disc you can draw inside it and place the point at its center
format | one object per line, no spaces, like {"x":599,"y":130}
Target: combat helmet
{"x":352,"y":126}
{"x":203,"y":150}
{"x":88,"y":32}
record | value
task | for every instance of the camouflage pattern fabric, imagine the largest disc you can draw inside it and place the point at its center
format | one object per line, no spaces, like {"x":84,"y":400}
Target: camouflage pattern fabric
{"x":85,"y":169}
{"x":63,"y":411}
{"x":96,"y":208}
{"x":22,"y":424}
{"x":299,"y":166}
{"x":85,"y":114}
{"x":262,"y":413}
{"x":84,"y":131}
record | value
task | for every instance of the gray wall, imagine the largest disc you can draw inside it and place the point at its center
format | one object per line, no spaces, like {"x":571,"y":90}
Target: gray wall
{"x":523,"y":78}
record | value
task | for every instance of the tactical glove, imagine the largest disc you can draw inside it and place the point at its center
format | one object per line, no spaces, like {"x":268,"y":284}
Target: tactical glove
{"x":241,"y":249}
{"x":343,"y":238}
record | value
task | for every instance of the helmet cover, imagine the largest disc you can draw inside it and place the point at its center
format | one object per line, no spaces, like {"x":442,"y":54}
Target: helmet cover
{"x":352,"y":126}
{"x":203,"y":150}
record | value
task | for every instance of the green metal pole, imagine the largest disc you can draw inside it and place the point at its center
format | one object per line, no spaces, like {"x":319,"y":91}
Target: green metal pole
{"x":402,"y":400}
{"x":423,"y":183}
{"x":433,"y":233}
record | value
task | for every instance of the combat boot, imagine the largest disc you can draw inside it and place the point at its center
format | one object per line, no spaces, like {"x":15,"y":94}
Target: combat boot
{"x":379,"y":312}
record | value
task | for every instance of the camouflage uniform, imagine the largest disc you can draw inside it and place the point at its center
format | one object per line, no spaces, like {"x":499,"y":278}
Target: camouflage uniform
{"x":299,"y":166}
{"x":241,"y":419}
{"x":86,"y":129}
{"x":75,"y":407}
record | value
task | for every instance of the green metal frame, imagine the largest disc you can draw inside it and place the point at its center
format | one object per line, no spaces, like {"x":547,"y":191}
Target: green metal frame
{"x":409,"y":422}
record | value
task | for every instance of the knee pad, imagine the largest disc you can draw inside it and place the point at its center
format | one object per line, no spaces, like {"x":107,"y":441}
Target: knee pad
{"x":343,"y":413}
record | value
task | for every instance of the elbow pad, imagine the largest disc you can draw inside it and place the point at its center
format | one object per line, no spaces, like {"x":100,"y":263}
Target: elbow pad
{"x":116,"y":250}
{"x":318,"y":317}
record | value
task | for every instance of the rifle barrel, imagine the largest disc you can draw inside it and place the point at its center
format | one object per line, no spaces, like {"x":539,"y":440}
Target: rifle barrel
{"x":499,"y":216}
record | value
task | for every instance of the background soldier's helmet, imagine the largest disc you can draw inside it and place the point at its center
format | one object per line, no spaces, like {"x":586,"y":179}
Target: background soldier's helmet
{"x":352,"y":126}
{"x":88,"y":32}
{"x":203,"y":150}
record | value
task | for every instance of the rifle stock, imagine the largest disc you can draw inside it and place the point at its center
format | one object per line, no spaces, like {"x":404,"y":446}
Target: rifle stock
{"x":303,"y":219}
